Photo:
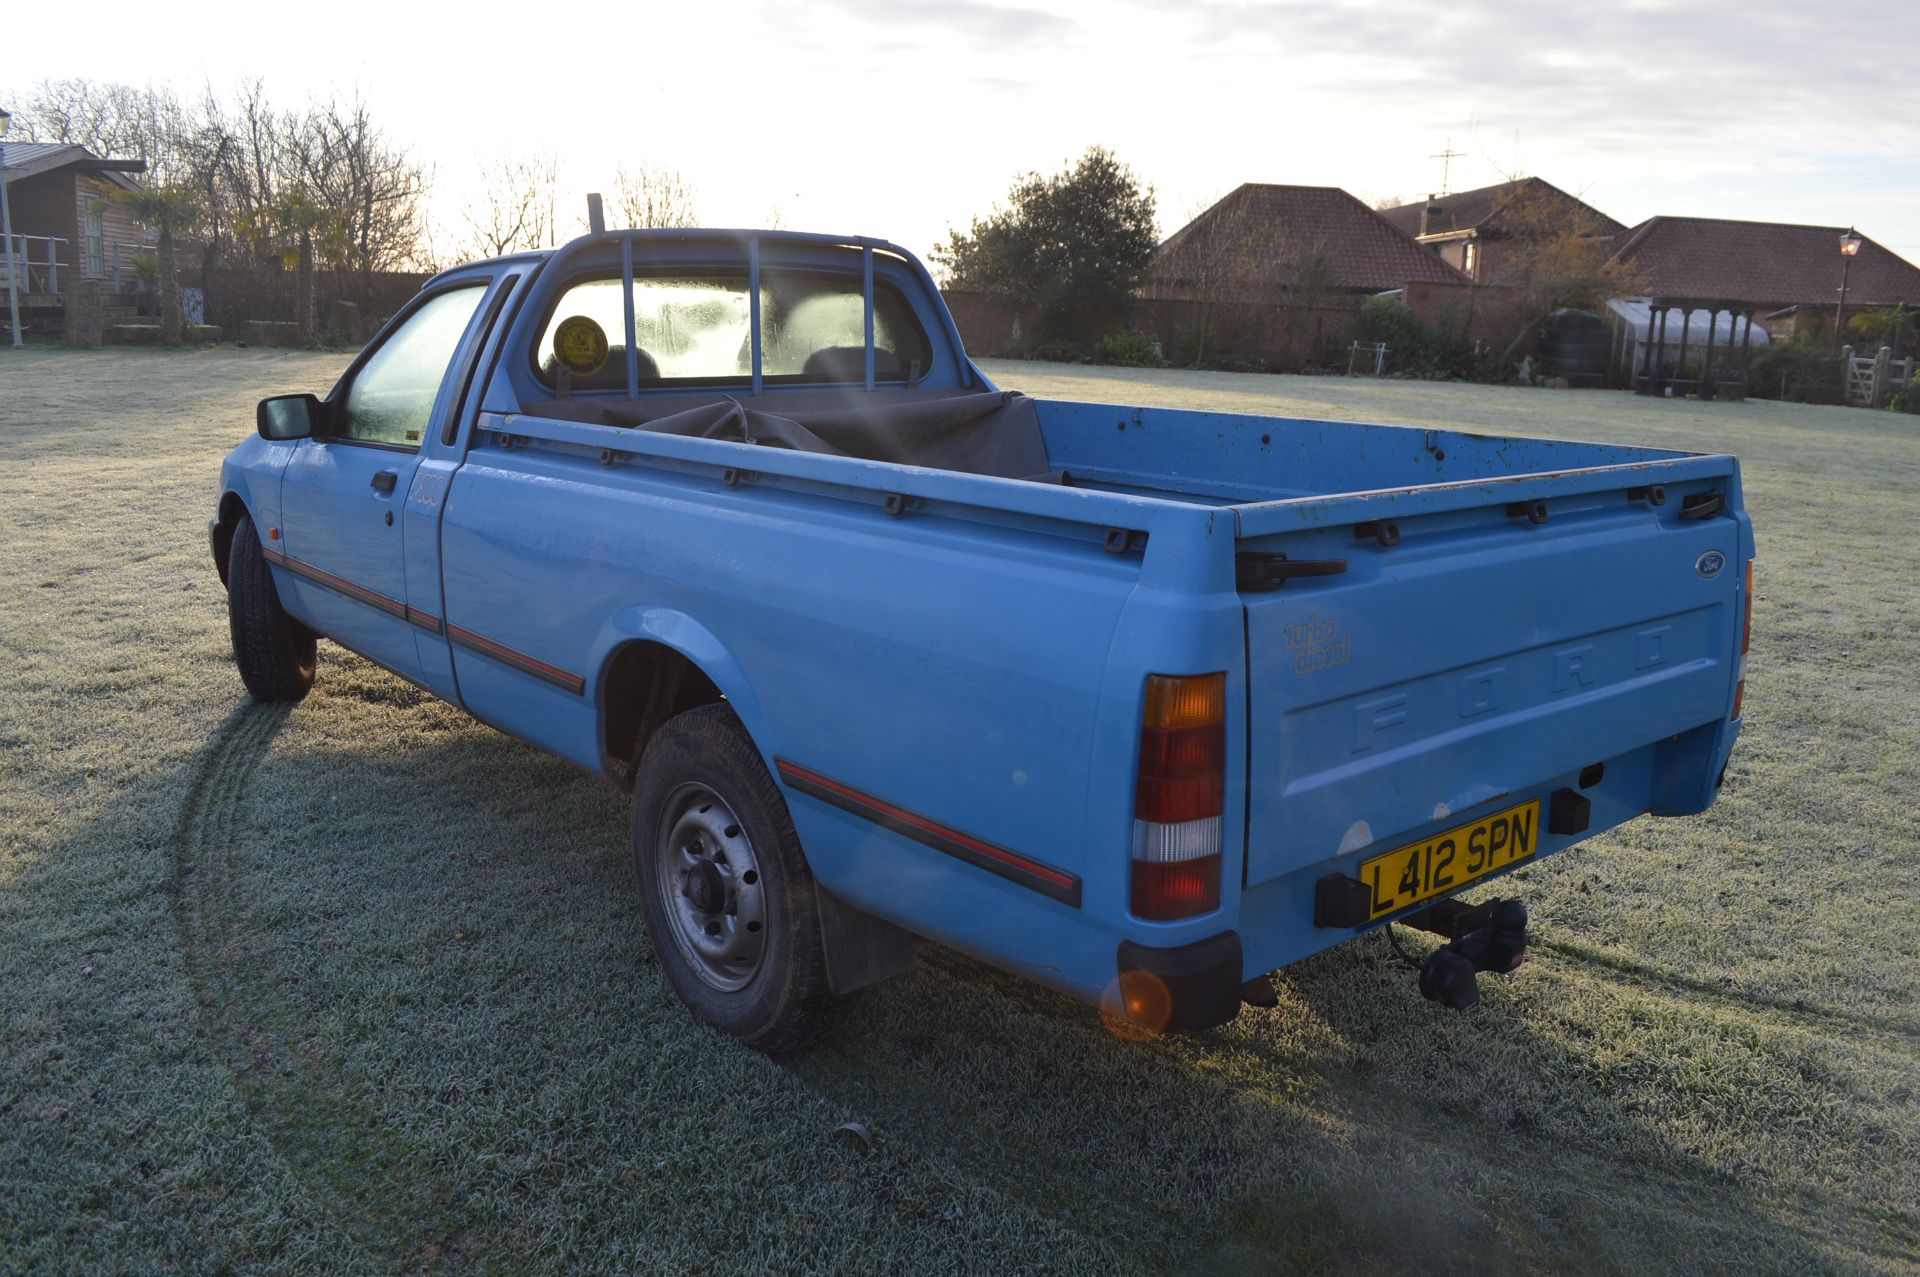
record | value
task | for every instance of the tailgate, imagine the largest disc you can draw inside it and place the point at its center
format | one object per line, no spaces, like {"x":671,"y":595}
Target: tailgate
{"x":1491,"y":637}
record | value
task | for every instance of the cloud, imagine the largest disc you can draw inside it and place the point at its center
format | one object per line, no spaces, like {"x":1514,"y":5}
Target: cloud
{"x":978,"y":24}
{"x":1669,"y":76}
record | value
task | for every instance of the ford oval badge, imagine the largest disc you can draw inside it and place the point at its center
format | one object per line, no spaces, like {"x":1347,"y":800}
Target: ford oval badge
{"x":1710,"y":563}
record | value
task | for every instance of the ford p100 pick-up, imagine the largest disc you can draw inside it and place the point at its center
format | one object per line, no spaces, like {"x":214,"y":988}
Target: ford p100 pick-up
{"x":1141,"y":703}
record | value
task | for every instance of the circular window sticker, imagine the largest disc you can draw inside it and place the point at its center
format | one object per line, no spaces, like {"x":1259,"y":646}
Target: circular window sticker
{"x":580,"y":345}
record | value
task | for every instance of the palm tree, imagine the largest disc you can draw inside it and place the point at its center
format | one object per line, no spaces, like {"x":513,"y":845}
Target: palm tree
{"x":297,"y":218}
{"x":170,"y":210}
{"x":306,"y":228}
{"x":1888,"y":324}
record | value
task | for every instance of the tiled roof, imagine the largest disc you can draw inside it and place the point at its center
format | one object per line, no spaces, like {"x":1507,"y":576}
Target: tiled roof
{"x":1252,"y":244}
{"x":1480,"y":209}
{"x":1762,"y":263}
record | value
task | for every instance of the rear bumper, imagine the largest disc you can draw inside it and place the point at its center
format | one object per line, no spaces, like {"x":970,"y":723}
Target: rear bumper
{"x":1202,"y":979}
{"x":1288,"y":918}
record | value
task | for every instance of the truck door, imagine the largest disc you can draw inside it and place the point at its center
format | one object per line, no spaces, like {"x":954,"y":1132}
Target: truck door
{"x":342,"y":495}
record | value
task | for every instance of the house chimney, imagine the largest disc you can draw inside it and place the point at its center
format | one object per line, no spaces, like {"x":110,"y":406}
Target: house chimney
{"x":1426,"y":214}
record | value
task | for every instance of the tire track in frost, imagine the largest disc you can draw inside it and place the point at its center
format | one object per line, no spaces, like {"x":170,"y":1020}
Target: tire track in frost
{"x":1796,"y":1013}
{"x":204,"y":875}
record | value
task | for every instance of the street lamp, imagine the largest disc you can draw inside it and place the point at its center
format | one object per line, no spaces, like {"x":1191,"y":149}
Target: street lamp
{"x":1849,"y":245}
{"x":6,"y":231}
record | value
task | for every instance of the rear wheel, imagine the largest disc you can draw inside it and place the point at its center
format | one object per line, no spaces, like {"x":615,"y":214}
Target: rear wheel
{"x":275,"y":653}
{"x":728,"y":898}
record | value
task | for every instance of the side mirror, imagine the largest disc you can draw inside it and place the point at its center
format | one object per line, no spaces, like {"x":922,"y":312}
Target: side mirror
{"x":288,"y":417}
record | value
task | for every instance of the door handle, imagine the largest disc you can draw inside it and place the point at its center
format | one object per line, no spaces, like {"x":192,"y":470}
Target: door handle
{"x":385,"y":481}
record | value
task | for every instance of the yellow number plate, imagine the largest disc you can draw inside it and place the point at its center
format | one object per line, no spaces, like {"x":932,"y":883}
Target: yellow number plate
{"x":1448,"y":861}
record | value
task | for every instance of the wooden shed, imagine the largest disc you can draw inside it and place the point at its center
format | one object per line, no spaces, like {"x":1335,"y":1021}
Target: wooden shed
{"x":67,"y":226}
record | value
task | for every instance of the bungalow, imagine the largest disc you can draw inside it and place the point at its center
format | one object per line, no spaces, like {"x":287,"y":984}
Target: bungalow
{"x":1276,"y":273}
{"x":1278,"y":244}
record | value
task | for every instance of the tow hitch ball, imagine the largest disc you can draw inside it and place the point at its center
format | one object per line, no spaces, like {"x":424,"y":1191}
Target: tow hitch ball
{"x":1489,"y":937}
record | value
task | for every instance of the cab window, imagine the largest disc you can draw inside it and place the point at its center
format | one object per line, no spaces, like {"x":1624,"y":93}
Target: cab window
{"x":391,"y":398}
{"x":696,"y":328}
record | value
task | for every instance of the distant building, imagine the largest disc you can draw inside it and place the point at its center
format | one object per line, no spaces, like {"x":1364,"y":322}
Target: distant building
{"x":1475,"y":231}
{"x":1789,"y":274}
{"x":1281,"y":244}
{"x":66,"y":223}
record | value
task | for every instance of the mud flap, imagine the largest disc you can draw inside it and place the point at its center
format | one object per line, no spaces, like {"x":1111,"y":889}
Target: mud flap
{"x":1202,"y":979}
{"x":859,"y":948}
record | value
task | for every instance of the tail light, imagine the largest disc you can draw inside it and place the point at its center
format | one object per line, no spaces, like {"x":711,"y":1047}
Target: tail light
{"x":1179,"y":797}
{"x":1746,"y":641}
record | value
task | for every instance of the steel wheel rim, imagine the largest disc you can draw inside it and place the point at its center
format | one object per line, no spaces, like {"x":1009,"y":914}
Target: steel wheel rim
{"x":710,"y":888}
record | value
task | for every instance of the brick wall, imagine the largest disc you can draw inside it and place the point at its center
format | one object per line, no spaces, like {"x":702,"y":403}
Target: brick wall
{"x":1485,"y":313}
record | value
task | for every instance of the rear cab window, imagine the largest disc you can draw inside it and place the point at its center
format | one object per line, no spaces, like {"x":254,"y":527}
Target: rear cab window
{"x":695,"y":327}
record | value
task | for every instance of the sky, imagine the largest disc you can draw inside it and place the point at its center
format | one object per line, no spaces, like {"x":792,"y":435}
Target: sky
{"x":902,"y":118}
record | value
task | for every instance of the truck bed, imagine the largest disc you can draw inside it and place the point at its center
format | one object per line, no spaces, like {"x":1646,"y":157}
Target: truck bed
{"x":1194,"y":458}
{"x":1509,"y":613}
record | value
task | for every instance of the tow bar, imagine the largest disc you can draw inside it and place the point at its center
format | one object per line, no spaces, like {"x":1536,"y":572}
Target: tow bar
{"x":1486,"y":937}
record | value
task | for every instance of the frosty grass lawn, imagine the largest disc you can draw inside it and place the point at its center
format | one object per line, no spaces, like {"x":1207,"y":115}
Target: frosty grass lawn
{"x":362,"y":986}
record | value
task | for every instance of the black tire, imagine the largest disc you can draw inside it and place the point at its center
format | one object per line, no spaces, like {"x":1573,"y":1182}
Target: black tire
{"x":275,"y":653}
{"x":782,"y":1001}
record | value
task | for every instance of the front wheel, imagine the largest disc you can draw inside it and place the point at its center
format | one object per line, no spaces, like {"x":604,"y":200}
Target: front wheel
{"x":275,"y":653}
{"x":728,"y":898}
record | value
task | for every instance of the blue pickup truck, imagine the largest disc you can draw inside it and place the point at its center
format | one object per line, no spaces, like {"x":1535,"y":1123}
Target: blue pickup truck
{"x":1141,"y":703}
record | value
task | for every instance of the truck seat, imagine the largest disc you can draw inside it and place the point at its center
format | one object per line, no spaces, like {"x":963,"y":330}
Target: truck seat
{"x":611,"y":375}
{"x":849,"y":363}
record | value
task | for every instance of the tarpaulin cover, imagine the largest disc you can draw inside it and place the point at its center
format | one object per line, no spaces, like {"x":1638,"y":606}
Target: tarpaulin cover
{"x":974,"y":432}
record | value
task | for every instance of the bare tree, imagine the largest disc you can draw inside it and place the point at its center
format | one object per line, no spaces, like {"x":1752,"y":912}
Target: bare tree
{"x":1549,"y":252}
{"x":515,"y":207}
{"x":118,"y":121}
{"x":1232,"y":255}
{"x":250,"y":167}
{"x":321,"y":187}
{"x":653,"y":196}
{"x":368,"y":191}
{"x":1209,"y":261}
{"x":1313,"y":272}
{"x":1385,"y":202}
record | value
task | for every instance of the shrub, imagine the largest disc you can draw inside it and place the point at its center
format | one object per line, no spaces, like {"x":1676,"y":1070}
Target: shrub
{"x":1129,"y":350}
{"x":1450,"y":356}
{"x":1392,"y":321}
{"x":1057,"y":352}
{"x":1412,"y":347}
{"x":1226,"y":362}
{"x":1797,"y":372}
{"x":1907,"y":400}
